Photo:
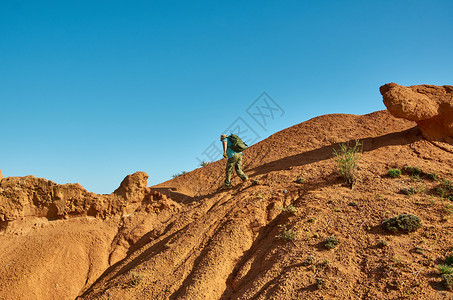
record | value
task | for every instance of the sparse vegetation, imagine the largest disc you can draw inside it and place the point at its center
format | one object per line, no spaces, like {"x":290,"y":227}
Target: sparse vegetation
{"x":432,"y":176}
{"x":412,"y":191}
{"x":445,"y":269}
{"x":287,"y":234}
{"x":331,"y":242}
{"x":414,"y":172}
{"x":447,"y":280}
{"x":309,"y":260}
{"x":394,"y":173}
{"x":255,"y":182}
{"x":205,"y":163}
{"x":381,"y":243}
{"x":445,"y":189}
{"x":135,"y":278}
{"x":347,"y":159}
{"x":290,"y":208}
{"x":179,"y":174}
{"x":403,"y":222}
{"x":300,"y":180}
{"x":319,"y":283}
{"x":418,"y":250}
{"x":259,"y":196}
{"x":408,"y":191}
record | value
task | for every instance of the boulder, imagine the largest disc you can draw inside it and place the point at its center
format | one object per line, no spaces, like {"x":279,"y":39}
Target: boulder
{"x":430,"y":106}
{"x":133,"y":187}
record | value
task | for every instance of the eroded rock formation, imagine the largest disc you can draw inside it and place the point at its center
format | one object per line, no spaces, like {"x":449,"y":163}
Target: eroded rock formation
{"x":30,"y":196}
{"x":430,"y":106}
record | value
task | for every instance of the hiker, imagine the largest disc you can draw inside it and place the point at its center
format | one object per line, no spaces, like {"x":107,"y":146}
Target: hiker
{"x":234,"y":157}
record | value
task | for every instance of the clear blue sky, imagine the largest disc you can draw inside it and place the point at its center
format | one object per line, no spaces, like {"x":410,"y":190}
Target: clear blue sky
{"x":91,"y":91}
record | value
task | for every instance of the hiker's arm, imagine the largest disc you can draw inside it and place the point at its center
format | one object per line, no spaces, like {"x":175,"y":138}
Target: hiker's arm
{"x":224,"y":148}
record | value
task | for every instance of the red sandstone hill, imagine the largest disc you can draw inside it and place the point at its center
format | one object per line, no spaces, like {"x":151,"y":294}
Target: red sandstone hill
{"x":185,"y":239}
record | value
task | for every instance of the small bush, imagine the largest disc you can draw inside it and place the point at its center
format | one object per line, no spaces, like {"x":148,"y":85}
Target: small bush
{"x":347,"y":159}
{"x":444,"y":269}
{"x":287,"y":234}
{"x":309,"y":260}
{"x":445,"y":189}
{"x":409,"y":191}
{"x":331,"y":242}
{"x":255,"y":182}
{"x":205,"y":163}
{"x":394,"y":173}
{"x":447,"y":280}
{"x":413,"y":171}
{"x":432,"y":176}
{"x":412,"y":191}
{"x":403,"y":222}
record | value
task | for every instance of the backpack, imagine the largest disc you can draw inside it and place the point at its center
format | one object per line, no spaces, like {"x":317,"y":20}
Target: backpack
{"x":236,"y":143}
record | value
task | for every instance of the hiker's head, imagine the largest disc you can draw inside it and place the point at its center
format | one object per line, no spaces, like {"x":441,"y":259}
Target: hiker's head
{"x":223,"y":136}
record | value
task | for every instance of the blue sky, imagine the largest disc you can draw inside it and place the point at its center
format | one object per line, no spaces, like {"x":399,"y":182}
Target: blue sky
{"x":91,"y":91}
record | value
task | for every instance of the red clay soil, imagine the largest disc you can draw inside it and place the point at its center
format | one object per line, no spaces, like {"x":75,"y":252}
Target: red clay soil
{"x":186,"y":239}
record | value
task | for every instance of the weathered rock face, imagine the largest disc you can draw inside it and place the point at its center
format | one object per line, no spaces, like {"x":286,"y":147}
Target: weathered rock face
{"x":1,"y":175}
{"x":30,"y":196}
{"x":430,"y":106}
{"x":133,"y":187}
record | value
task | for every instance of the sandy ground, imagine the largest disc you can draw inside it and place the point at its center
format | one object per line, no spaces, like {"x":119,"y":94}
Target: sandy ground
{"x":186,"y":239}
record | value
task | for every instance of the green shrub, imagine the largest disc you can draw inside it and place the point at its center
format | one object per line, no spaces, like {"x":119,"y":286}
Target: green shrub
{"x":444,"y":269}
{"x":403,"y":222}
{"x":432,"y":176}
{"x":413,"y":171}
{"x":287,"y":234}
{"x":394,"y":173}
{"x":409,"y":191}
{"x":331,"y":242}
{"x":445,"y":189}
{"x":412,"y":191}
{"x":347,"y":159}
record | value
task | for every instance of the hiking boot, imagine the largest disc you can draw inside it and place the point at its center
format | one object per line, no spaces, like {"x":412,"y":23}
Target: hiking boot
{"x":226,"y":187}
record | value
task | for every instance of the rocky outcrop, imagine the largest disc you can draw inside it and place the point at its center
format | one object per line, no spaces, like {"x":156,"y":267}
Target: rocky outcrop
{"x":30,"y":196}
{"x":1,"y":175}
{"x":430,"y":106}
{"x":133,"y":187}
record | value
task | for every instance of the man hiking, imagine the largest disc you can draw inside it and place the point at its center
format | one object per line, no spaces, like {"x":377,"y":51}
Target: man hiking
{"x":232,"y":147}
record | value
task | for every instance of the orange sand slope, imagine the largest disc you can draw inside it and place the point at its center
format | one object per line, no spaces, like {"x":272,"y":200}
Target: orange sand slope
{"x":185,"y":239}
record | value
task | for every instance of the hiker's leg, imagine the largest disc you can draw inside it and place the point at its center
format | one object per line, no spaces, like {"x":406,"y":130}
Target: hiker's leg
{"x":229,"y":169}
{"x":238,"y":167}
